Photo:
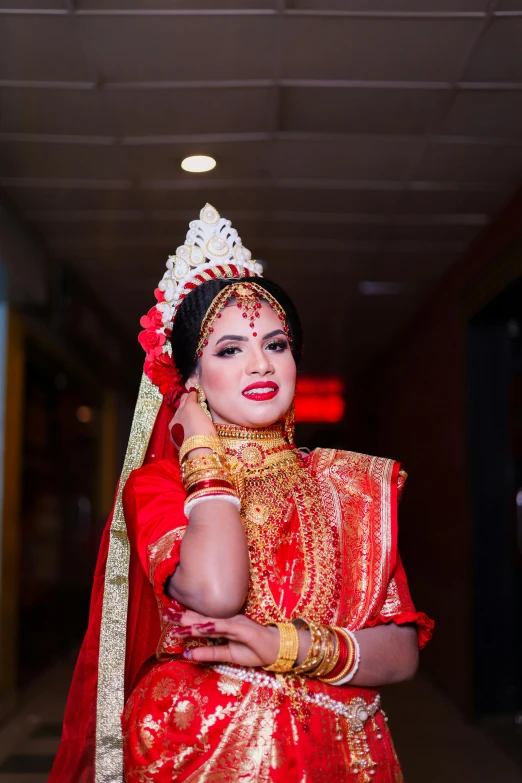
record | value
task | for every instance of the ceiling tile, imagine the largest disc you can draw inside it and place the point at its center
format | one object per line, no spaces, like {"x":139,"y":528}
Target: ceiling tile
{"x":74,"y":112}
{"x":226,"y":200}
{"x":65,"y":199}
{"x":169,"y":5}
{"x":441,"y":201}
{"x":471,"y":163}
{"x":497,"y":57}
{"x":163,"y":48}
{"x":494,"y":113}
{"x":342,"y":200}
{"x":40,"y":48}
{"x":390,"y":5}
{"x":412,"y":267}
{"x":139,"y":228}
{"x":356,"y":159}
{"x":65,"y":161}
{"x":369,"y":49}
{"x":59,"y":5}
{"x":198,"y":111}
{"x":275,"y":198}
{"x":338,"y":110}
{"x":510,"y":5}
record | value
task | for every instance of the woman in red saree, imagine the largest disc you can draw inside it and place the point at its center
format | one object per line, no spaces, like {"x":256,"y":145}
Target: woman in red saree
{"x":240,"y":631}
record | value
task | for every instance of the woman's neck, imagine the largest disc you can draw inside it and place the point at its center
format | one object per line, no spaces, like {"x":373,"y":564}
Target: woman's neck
{"x":255,"y":448}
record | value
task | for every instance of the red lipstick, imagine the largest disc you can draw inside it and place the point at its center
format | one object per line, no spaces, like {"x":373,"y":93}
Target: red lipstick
{"x":261,"y":390}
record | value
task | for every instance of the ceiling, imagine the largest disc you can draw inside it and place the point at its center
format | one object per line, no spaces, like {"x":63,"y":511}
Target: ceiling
{"x":356,"y":140}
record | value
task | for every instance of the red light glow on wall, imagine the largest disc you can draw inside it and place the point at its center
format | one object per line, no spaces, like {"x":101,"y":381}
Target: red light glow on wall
{"x":319,"y":399}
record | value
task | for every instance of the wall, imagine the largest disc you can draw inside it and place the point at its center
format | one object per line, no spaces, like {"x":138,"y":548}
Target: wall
{"x":415,"y":401}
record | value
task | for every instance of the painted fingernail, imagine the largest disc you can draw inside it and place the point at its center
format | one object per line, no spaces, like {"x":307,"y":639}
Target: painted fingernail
{"x":174,"y":614}
{"x":187,"y":654}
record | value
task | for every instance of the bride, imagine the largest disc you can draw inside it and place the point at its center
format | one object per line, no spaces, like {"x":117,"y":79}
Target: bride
{"x":249,"y":599}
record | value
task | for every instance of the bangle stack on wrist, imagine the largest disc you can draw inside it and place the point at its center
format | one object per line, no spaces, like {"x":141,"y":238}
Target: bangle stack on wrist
{"x":206,"y":477}
{"x":333,"y":656}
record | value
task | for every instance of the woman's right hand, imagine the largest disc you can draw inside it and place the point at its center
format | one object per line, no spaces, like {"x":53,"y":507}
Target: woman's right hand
{"x":192,"y":418}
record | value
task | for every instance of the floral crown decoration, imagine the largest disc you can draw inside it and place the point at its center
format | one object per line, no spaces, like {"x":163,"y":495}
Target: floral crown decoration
{"x":213,"y":250}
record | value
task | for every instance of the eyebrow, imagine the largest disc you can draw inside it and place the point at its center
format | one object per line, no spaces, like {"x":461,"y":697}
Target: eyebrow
{"x":241,"y":339}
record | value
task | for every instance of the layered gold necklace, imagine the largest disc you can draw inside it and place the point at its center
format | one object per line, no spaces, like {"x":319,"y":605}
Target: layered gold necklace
{"x":273,"y":483}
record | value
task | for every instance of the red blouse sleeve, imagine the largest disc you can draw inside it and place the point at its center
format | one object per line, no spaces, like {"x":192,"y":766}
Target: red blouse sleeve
{"x":398,"y":606}
{"x":153,"y":501}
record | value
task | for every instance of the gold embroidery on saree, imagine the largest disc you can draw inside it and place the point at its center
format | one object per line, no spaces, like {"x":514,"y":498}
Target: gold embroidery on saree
{"x":162,"y":548}
{"x":355,"y":491}
{"x":113,"y":629}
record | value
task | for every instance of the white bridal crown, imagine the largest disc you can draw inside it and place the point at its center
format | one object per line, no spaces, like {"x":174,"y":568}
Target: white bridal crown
{"x":212,"y":249}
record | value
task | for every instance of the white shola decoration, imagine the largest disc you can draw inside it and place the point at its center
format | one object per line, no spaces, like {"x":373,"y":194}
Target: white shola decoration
{"x":212,"y":250}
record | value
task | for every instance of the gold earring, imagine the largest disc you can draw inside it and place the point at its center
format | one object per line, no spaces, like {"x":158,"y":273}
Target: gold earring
{"x":290,"y":424}
{"x":202,"y":401}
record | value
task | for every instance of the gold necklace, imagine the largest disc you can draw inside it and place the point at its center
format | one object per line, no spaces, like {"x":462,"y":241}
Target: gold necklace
{"x":273,"y":483}
{"x":252,"y":450}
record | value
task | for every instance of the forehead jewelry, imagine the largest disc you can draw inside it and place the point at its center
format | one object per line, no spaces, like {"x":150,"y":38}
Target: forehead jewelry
{"x":213,"y":250}
{"x":248,"y":297}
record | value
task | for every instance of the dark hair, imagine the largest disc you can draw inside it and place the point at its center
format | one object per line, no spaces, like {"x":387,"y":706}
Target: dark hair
{"x":192,"y":310}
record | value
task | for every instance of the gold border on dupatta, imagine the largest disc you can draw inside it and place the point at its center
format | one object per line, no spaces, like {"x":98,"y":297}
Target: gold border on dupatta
{"x":113,"y":631}
{"x":381,"y":471}
{"x":370,"y":478}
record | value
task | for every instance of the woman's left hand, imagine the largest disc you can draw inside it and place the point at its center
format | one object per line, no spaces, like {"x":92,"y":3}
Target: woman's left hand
{"x":247,"y":642}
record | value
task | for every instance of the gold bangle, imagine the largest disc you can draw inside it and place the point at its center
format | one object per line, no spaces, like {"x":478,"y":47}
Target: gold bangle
{"x":314,"y":656}
{"x":201,"y":462}
{"x":325,"y":642}
{"x":188,"y":470}
{"x":211,"y":442}
{"x":331,"y":655}
{"x":288,"y":648}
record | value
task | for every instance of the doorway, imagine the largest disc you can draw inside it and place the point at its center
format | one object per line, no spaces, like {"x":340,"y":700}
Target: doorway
{"x":495,"y":373}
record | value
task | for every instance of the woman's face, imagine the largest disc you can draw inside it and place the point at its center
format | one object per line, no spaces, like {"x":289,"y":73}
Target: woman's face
{"x":247,"y":380}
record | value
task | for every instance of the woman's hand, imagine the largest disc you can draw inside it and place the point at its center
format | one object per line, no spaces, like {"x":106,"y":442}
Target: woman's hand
{"x":192,"y":419}
{"x":247,"y":642}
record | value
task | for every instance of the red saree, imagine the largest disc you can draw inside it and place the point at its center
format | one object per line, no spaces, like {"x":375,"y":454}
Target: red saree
{"x":330,"y":557}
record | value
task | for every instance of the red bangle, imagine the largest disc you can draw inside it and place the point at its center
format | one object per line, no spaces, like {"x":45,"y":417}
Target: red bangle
{"x":343,"y":656}
{"x":210,"y":483}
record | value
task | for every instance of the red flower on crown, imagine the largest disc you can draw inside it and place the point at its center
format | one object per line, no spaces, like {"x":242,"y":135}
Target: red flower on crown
{"x":165,"y":375}
{"x":159,"y":367}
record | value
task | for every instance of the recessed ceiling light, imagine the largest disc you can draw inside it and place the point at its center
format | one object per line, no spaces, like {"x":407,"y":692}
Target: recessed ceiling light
{"x":196,"y":164}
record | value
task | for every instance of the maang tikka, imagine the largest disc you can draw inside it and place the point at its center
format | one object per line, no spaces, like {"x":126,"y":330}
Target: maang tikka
{"x":248,"y":298}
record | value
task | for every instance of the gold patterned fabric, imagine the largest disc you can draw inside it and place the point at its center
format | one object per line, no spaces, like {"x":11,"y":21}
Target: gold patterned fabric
{"x":111,"y":658}
{"x":322,"y":535}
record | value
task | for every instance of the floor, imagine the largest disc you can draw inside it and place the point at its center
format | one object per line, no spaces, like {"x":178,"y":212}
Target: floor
{"x":434,"y":743}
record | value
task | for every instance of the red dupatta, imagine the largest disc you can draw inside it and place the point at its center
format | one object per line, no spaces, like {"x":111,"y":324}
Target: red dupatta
{"x":122,"y":632}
